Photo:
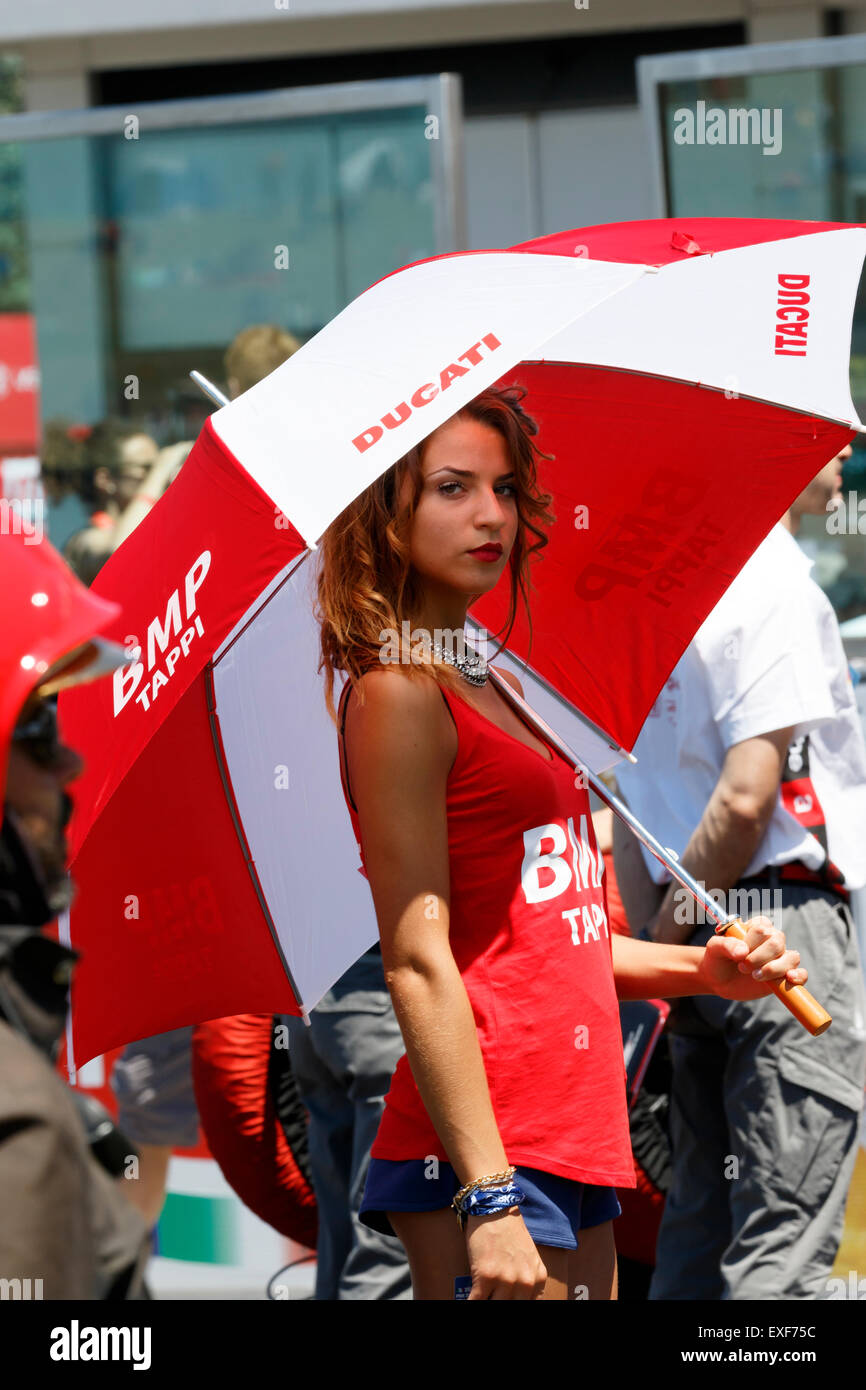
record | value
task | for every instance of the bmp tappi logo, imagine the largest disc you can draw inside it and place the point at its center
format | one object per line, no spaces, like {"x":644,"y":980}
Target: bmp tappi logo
{"x":545,"y":873}
{"x":76,"y":1343}
{"x":740,"y":125}
{"x":160,"y":633}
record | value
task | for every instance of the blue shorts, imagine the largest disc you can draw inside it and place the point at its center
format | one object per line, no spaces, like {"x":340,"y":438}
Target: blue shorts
{"x":555,"y":1210}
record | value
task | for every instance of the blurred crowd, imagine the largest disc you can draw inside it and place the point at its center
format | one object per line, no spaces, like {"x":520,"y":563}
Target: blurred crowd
{"x":117,"y":469}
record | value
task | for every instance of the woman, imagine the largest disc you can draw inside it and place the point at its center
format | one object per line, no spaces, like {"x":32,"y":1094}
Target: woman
{"x":477,"y":842}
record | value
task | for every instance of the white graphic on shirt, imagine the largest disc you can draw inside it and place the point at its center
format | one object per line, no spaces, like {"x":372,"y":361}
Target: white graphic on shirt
{"x":534,"y":861}
{"x":795,"y":754}
{"x":545,"y":847}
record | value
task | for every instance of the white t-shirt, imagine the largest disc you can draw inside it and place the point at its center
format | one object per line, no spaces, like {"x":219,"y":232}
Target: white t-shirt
{"x":769,"y":656}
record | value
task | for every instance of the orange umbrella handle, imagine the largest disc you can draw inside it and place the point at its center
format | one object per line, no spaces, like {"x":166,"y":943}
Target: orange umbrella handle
{"x":803,"y":1005}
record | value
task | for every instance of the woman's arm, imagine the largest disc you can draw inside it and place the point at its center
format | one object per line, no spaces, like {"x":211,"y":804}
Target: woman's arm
{"x":725,"y":966}
{"x":400,"y":746}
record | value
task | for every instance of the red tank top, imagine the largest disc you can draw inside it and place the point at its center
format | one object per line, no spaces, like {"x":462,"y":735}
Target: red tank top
{"x":529,"y":933}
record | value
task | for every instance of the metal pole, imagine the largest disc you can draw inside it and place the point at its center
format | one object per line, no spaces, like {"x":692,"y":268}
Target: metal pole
{"x":666,"y":856}
{"x":803,"y":1005}
{"x":213,"y":392}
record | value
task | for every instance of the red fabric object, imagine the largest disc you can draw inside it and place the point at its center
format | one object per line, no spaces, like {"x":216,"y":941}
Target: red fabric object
{"x":19,"y":420}
{"x":683,"y":241}
{"x":615,"y":910}
{"x":636,"y":1231}
{"x":530,"y":939}
{"x":191,"y":885}
{"x":230,"y":1061}
{"x":656,"y":241}
{"x":661,"y":240}
{"x":47,"y":613}
{"x":663,"y":544}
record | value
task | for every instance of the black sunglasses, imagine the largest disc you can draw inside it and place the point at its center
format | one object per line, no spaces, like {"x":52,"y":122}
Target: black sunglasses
{"x":40,"y":734}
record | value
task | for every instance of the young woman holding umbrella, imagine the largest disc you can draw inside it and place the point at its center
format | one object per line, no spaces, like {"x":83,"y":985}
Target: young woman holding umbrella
{"x":508,"y":1109}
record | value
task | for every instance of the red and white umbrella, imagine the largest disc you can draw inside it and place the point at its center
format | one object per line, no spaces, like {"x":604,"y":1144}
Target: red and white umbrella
{"x":689,"y":377}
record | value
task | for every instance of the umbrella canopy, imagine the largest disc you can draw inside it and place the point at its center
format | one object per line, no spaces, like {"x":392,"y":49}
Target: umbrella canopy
{"x":687,"y":400}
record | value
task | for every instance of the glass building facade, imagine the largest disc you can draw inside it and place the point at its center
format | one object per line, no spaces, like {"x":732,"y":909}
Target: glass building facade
{"x":799,"y":152}
{"x":140,"y":244}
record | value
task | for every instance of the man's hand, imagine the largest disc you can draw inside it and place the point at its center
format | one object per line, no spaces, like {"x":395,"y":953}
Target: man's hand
{"x":728,"y":966}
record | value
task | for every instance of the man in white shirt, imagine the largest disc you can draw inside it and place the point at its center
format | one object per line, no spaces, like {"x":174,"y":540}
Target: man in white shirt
{"x":752,"y":769}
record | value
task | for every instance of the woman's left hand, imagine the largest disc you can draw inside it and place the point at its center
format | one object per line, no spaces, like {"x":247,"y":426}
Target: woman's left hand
{"x":727,"y":965}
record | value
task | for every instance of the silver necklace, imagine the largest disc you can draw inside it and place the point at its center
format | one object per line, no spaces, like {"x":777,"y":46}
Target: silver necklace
{"x":472,"y":667}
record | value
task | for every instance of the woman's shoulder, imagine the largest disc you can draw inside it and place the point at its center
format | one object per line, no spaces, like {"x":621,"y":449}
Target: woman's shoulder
{"x":399,"y":711}
{"x":389,"y":687}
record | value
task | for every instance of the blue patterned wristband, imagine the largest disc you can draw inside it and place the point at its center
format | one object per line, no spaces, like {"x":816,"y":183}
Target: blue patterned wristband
{"x":486,"y":1201}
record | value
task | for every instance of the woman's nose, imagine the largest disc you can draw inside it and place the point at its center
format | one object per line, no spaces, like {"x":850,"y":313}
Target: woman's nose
{"x":492,"y":509}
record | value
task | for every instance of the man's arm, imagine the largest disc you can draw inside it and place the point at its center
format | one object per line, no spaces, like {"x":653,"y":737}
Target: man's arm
{"x":733,"y":824}
{"x":46,"y":1231}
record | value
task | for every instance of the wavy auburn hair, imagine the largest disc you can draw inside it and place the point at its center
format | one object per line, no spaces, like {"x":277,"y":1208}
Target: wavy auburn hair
{"x":366,"y":582}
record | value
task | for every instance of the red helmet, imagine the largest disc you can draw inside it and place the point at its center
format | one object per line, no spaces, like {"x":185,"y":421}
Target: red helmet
{"x":47,"y":631}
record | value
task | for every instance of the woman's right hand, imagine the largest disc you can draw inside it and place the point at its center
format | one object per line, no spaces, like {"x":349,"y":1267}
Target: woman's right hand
{"x":503,"y":1258}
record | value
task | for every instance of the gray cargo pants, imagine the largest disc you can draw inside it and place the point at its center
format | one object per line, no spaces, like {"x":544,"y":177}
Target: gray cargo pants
{"x":765,"y":1125}
{"x":343,"y":1065}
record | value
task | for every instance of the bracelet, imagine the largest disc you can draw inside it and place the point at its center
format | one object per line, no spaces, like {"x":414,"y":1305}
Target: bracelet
{"x":491,"y":1179}
{"x":471,"y":1197}
{"x":487,"y":1201}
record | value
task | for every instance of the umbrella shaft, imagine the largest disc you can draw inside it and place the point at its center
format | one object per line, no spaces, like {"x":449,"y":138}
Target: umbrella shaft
{"x":665,"y":856}
{"x":710,"y":906}
{"x":213,"y":392}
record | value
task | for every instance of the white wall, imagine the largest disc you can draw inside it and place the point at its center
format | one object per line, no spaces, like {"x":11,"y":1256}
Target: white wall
{"x":61,"y":44}
{"x":353,"y":23}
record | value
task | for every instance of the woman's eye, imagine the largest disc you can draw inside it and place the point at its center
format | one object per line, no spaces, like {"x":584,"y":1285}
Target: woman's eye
{"x":508,"y":488}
